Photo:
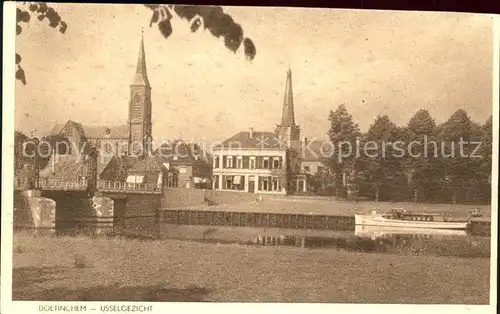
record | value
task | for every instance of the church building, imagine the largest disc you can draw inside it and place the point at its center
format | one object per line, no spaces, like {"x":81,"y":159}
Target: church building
{"x":131,"y":139}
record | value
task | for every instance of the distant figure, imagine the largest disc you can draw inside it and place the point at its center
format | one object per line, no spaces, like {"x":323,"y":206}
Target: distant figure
{"x":476,"y":213}
{"x":259,"y":199}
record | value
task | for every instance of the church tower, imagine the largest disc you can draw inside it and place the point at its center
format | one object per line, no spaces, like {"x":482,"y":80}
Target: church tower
{"x":288,"y":131}
{"x":140,"y":108}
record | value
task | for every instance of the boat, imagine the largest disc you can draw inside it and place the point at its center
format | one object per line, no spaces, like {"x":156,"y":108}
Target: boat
{"x":381,"y":232}
{"x":403,"y":219}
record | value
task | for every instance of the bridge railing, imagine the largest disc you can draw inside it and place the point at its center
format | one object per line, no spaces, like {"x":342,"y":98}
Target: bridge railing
{"x":57,"y":184}
{"x":20,"y":183}
{"x":81,"y":185}
{"x":51,"y":184}
{"x":118,"y":186}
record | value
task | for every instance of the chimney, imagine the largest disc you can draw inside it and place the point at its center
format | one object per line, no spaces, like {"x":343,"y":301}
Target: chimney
{"x":251,"y":132}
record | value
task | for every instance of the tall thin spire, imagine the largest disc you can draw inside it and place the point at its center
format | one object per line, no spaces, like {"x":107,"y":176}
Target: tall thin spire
{"x":141,"y":75}
{"x":288,"y":115}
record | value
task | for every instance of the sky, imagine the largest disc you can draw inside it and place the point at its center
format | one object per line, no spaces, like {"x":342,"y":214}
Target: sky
{"x":375,"y":62}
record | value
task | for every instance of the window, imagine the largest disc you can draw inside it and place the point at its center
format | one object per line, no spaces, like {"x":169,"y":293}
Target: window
{"x":266,"y":163}
{"x":307,"y":169}
{"x":239,"y":163}
{"x":275,"y":184}
{"x":108,"y":147}
{"x":216,"y":182}
{"x":135,"y":179}
{"x":229,"y":182}
{"x":264,"y":184}
{"x":229,"y":162}
{"x":252,"y":162}
{"x":182,"y":169}
{"x":276,"y":163}
{"x":216,"y":162}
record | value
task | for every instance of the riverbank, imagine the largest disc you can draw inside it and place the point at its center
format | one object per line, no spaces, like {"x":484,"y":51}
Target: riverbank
{"x":332,"y":207}
{"x":81,"y":268}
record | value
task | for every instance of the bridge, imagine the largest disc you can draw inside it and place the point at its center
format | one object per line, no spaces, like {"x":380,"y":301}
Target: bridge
{"x":57,"y":204}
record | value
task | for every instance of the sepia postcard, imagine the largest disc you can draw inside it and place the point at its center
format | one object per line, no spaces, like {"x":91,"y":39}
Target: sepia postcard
{"x":182,"y":158}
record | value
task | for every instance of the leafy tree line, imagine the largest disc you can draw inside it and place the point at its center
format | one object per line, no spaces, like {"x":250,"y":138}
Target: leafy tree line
{"x":447,"y":163}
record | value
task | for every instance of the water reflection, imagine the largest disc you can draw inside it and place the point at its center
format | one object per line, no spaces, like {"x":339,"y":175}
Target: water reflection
{"x":374,"y":232}
{"x":397,"y":241}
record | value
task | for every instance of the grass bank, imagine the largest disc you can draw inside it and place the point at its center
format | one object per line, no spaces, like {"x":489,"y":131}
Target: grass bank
{"x":80,"y":268}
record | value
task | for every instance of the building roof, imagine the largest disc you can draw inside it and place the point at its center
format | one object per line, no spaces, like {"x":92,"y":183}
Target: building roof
{"x":69,"y":167}
{"x":95,"y":131}
{"x":288,"y":114}
{"x":66,"y":167}
{"x":258,"y":140}
{"x":56,"y":130}
{"x":181,"y":152}
{"x":147,"y":164}
{"x":141,"y":75}
{"x":103,"y":131}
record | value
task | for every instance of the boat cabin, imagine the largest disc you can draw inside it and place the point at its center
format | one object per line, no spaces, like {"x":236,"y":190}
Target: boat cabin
{"x":403,"y":215}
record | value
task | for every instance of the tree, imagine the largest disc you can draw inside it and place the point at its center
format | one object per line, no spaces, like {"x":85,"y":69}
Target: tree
{"x":343,"y":134}
{"x":486,"y":148}
{"x":461,"y":170}
{"x":213,"y":18}
{"x":420,"y":163}
{"x":379,"y":162}
{"x":485,"y":163}
{"x":19,"y":140}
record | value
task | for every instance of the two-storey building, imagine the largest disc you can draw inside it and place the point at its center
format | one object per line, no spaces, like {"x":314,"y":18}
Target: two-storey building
{"x":251,"y":162}
{"x":263,"y":162}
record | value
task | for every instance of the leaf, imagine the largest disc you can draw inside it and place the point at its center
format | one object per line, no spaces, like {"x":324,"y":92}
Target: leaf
{"x":42,"y":7}
{"x":33,"y":7}
{"x":195,"y":25}
{"x":18,"y":29}
{"x":20,"y":75}
{"x":154,"y":18}
{"x":18,"y":15}
{"x":63,"y":26}
{"x":187,"y":12}
{"x":41,"y":17}
{"x":18,"y":59}
{"x":233,"y":37}
{"x":25,"y":16}
{"x":53,"y":24}
{"x":165,"y":28}
{"x":250,"y":50}
{"x":210,"y":15}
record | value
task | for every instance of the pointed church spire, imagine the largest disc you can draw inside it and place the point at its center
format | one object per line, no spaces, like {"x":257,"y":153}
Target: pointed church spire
{"x":141,"y":75}
{"x":288,"y":115}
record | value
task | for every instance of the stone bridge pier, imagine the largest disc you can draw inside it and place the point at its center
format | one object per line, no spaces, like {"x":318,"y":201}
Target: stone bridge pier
{"x":34,"y":212}
{"x":134,"y":213}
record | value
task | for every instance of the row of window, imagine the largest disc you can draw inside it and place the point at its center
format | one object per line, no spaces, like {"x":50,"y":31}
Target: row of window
{"x":236,"y":182}
{"x":249,"y":162}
